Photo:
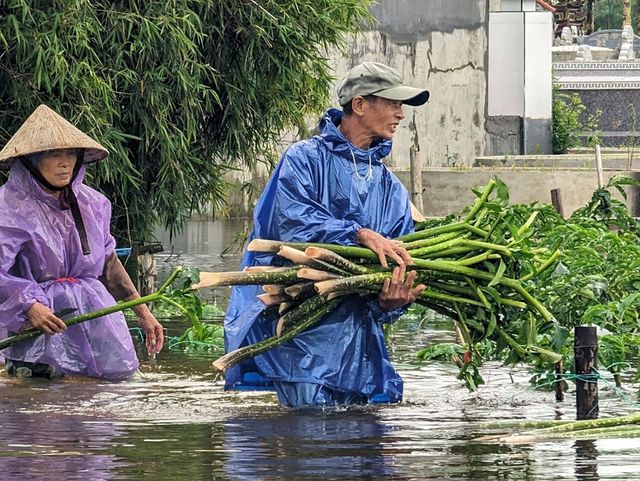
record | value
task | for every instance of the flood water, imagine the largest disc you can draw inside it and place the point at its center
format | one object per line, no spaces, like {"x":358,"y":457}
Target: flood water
{"x":174,"y":421}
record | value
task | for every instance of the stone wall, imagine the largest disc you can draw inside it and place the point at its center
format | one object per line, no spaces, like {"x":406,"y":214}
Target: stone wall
{"x":611,"y":87}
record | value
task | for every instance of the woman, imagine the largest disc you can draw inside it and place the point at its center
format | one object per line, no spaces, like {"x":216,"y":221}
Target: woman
{"x":57,"y":254}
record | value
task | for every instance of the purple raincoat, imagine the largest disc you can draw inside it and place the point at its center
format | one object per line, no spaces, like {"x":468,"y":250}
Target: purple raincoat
{"x":41,"y":260}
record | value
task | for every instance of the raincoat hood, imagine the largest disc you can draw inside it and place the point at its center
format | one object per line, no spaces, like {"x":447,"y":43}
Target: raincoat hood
{"x":67,"y":198}
{"x":340,"y":145}
{"x":24,"y":184}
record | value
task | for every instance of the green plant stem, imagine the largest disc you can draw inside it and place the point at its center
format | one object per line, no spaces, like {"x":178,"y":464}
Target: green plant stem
{"x":233,"y":357}
{"x":548,"y":263}
{"x":454,"y":251}
{"x":345,"y":251}
{"x":590,"y":424}
{"x":452,"y":267}
{"x":32,"y":333}
{"x":433,"y":231}
{"x":469,"y":261}
{"x":409,"y":246}
{"x":479,"y":203}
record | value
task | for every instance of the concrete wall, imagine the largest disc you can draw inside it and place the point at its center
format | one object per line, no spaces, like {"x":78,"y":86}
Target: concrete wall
{"x":448,"y":191}
{"x":441,"y":45}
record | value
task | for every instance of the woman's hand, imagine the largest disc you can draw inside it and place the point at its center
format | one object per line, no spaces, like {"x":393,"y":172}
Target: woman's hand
{"x":153,"y":331}
{"x":41,"y":317}
{"x":384,"y":247}
{"x":397,"y":292}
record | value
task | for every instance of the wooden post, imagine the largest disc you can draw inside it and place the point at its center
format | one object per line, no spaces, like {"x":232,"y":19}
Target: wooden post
{"x":147,"y":274}
{"x":559,"y":381}
{"x":556,"y":201}
{"x":416,"y":178}
{"x":586,"y":356}
{"x":586,"y":462}
{"x":146,"y":271}
{"x":599,"y":166}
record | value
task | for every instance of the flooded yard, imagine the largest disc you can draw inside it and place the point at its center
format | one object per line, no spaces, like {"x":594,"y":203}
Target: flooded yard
{"x":174,"y":421}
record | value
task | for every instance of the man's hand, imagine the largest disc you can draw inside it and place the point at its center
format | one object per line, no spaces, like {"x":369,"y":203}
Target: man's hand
{"x":384,"y":247}
{"x":41,"y":317}
{"x":397,"y":292}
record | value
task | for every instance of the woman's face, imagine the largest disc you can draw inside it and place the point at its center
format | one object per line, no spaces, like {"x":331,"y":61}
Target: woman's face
{"x":57,"y":167}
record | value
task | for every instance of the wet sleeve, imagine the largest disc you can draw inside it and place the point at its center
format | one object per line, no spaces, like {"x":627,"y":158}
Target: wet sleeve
{"x":377,"y":314}
{"x":299,"y":215}
{"x":114,"y":276}
{"x":116,"y":279}
{"x":109,"y":241}
{"x":17,"y":294}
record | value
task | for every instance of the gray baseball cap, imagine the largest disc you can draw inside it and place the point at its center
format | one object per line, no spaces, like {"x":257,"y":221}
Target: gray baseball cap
{"x":373,"y":78}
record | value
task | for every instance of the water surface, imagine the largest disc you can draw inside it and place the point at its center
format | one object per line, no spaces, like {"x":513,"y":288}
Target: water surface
{"x":174,"y":421}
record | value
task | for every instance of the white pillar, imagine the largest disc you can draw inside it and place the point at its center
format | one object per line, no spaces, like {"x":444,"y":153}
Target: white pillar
{"x":518,"y":5}
{"x":520,"y":73}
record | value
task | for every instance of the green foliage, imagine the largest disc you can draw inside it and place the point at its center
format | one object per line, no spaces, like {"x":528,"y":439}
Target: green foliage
{"x":185,"y":301}
{"x":596,"y":281}
{"x":180,"y":92}
{"x":467,"y":363}
{"x":607,"y":14}
{"x":568,"y":125}
{"x":202,"y":336}
{"x":612,"y":212}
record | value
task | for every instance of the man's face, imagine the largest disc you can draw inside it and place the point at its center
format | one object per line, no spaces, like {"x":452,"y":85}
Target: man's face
{"x":382,"y":116}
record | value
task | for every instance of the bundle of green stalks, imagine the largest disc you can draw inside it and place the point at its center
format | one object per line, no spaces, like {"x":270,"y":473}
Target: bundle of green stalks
{"x":540,"y":431}
{"x":469,"y":267}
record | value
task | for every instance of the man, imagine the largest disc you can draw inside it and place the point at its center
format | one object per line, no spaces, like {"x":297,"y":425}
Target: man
{"x":333,"y":188}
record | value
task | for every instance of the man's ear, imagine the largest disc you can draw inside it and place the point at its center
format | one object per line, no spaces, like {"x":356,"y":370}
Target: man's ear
{"x":358,"y":105}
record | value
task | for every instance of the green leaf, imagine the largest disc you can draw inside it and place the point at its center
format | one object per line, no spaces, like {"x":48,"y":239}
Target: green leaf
{"x":492,"y":325}
{"x":502,"y":191}
{"x":546,"y":356}
{"x":498,"y":277}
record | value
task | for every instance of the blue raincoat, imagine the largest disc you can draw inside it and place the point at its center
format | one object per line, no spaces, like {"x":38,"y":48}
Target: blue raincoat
{"x":316,"y":195}
{"x":41,"y":260}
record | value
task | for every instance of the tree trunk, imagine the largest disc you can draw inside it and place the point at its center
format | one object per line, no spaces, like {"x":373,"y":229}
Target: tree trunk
{"x":588,"y":25}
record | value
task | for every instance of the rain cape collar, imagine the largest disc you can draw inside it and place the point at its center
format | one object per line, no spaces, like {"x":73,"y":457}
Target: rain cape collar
{"x":20,"y":179}
{"x":340,"y":145}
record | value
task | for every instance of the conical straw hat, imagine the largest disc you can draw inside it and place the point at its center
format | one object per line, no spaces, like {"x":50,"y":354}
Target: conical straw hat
{"x":46,"y":130}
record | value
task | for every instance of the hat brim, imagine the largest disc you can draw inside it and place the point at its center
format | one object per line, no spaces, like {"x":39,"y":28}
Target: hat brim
{"x":46,"y":130}
{"x":407,"y":95}
{"x":90,"y":155}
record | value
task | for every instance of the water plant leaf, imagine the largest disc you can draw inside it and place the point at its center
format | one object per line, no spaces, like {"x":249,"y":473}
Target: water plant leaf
{"x":502,"y":267}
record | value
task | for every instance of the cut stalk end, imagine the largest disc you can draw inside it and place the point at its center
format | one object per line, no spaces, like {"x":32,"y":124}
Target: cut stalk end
{"x":263,"y":245}
{"x":316,"y":275}
{"x":220,"y":364}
